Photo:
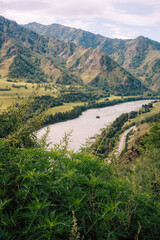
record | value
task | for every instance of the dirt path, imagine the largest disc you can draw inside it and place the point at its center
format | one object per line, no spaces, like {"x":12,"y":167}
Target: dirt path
{"x":122,"y":140}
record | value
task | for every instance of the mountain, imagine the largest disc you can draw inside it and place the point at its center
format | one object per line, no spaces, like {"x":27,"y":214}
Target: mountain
{"x":140,"y":56}
{"x":28,"y":56}
{"x":77,"y":36}
{"x":98,"y":69}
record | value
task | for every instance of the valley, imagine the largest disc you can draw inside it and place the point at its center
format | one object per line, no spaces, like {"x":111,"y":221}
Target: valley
{"x":29,"y":60}
{"x":50,"y":188}
{"x":108,"y":90}
{"x":87,"y":126}
{"x":140,"y":56}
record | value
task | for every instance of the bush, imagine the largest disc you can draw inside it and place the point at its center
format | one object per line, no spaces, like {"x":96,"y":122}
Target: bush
{"x":57,"y":194}
{"x":17,"y":127}
{"x":62,"y":195}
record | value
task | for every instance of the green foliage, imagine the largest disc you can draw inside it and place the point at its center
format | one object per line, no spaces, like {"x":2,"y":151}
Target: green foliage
{"x":145,"y":173}
{"x":37,"y":58}
{"x":156,"y":66}
{"x":5,"y":89}
{"x":45,"y":101}
{"x":57,"y":194}
{"x":153,"y":139}
{"x":80,"y":95}
{"x":63,"y":195}
{"x":17,"y":127}
{"x":25,"y":68}
{"x":140,"y":56}
{"x":77,"y":110}
{"x":106,"y":141}
{"x":19,"y":86}
{"x":141,"y":52}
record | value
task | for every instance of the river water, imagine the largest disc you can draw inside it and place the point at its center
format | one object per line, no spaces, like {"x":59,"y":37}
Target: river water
{"x":87,"y":125}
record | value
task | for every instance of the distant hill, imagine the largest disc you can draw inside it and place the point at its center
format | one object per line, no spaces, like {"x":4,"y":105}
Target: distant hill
{"x":98,"y":69}
{"x":140,"y":56}
{"x":28,"y":56}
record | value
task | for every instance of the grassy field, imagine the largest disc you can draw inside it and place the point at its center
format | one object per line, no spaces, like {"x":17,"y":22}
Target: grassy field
{"x":144,"y":128}
{"x":69,"y":106}
{"x":7,"y":98}
{"x":153,"y":111}
{"x":20,"y":90}
{"x":139,"y":132}
{"x":65,"y":107}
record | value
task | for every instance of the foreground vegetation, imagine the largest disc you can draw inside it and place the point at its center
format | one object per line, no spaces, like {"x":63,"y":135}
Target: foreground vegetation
{"x":59,"y":194}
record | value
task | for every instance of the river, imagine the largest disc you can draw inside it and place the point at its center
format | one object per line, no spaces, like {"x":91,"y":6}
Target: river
{"x":87,"y":125}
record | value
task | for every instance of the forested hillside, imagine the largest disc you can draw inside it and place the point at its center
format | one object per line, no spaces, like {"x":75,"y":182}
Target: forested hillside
{"x":139,"y":56}
{"x":27,"y":56}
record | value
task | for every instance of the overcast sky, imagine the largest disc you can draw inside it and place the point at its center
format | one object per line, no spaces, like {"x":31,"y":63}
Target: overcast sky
{"x":111,"y":18}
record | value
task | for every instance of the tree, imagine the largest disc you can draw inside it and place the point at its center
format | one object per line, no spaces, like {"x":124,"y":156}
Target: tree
{"x":17,"y":128}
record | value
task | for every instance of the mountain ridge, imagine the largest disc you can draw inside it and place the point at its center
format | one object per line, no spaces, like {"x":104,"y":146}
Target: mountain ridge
{"x":38,"y":58}
{"x":139,"y":56}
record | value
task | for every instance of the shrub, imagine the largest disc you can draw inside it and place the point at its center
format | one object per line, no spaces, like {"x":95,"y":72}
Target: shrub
{"x":17,"y":127}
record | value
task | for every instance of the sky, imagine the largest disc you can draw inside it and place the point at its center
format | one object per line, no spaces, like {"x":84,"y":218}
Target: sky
{"x":125,"y":19}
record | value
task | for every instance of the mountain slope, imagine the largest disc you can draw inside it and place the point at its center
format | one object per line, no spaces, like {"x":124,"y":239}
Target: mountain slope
{"x":30,"y":57}
{"x":77,"y":36}
{"x":140,"y":56}
{"x":98,"y":69}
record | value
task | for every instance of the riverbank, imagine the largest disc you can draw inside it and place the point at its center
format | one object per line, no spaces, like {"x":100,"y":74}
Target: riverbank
{"x":113,"y":140}
{"x":78,"y":110}
{"x":87,"y":125}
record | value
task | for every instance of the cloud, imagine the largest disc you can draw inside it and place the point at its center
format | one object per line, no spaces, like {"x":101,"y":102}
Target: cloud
{"x":78,"y":23}
{"x":24,"y":6}
{"x":121,"y":32}
{"x":122,"y":14}
{"x":126,"y":16}
{"x":89,"y":9}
